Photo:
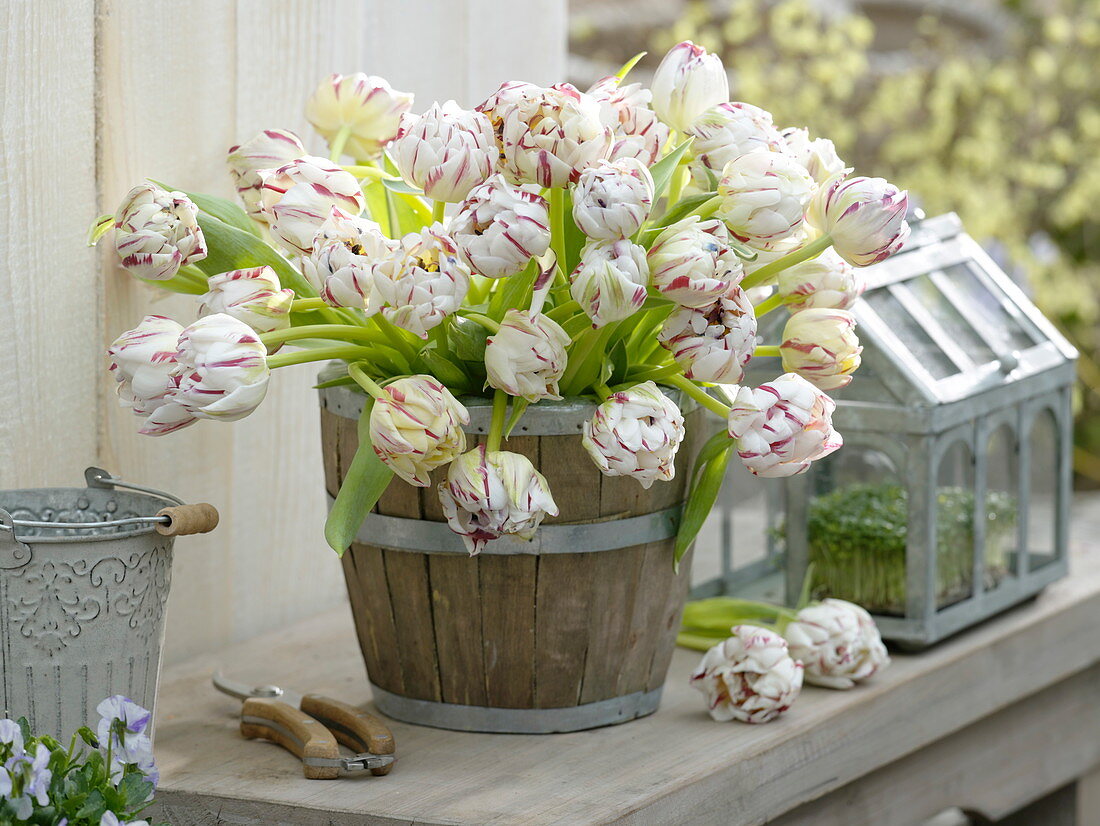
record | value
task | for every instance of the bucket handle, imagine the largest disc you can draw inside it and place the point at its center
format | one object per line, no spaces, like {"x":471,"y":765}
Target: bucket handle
{"x":179,"y":519}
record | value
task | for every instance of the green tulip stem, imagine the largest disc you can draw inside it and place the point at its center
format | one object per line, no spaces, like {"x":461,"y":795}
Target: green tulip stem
{"x":699,"y":394}
{"x":483,"y":320}
{"x":676,"y":185}
{"x":708,"y":208}
{"x":769,"y":304}
{"x":346,"y":351}
{"x":396,"y":337}
{"x":557,"y":225}
{"x":765,"y":274}
{"x":768,"y":351}
{"x":496,"y":424}
{"x":338,"y":332}
{"x":439,"y":209}
{"x":365,"y":381}
{"x":301,"y":305}
{"x":338,"y":143}
{"x":602,"y":390}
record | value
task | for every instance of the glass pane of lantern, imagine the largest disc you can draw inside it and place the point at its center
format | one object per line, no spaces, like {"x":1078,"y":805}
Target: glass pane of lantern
{"x":857,"y":528}
{"x":954,"y":521}
{"x":912,"y":336}
{"x":955,"y":324}
{"x":1043,"y":491}
{"x":1001,"y":320}
{"x":1001,"y":522}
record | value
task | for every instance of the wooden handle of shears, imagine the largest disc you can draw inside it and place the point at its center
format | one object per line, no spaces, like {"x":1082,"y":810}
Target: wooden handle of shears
{"x":295,"y":731}
{"x":355,"y":728}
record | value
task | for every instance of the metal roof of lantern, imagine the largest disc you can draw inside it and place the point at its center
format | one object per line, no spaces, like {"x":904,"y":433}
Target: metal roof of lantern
{"x":946,"y":335}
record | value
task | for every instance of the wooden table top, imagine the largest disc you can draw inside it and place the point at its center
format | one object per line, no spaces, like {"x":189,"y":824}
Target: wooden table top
{"x":674,"y":765}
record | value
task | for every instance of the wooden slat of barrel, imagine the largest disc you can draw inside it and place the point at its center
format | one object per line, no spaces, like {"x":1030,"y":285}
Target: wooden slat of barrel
{"x":373,"y":613}
{"x":562,"y":607}
{"x":508,"y":629}
{"x":644,"y":629}
{"x":456,"y":599}
{"x":410,"y":595}
{"x":614,"y":589}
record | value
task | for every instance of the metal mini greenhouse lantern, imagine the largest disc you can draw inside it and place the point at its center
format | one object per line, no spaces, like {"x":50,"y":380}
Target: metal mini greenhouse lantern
{"x":949,"y":501}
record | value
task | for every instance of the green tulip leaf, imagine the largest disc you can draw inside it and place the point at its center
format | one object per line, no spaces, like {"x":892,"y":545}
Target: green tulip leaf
{"x":706,"y":482}
{"x":663,"y":169}
{"x":223,"y":209}
{"x":363,"y":485}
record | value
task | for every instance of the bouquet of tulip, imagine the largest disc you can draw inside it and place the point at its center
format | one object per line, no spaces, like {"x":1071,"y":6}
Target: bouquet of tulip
{"x":548,"y":243}
{"x":42,"y":782}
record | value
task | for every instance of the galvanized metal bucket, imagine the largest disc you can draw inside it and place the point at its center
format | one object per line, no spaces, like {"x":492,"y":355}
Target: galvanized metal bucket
{"x":84,"y":578}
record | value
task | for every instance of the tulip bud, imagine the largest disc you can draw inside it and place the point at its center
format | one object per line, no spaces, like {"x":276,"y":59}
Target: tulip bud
{"x":144,"y":364}
{"x":826,"y":282}
{"x":692,"y":264}
{"x":612,"y":199}
{"x":224,"y":369}
{"x":687,"y":83}
{"x":636,"y":130}
{"x":366,"y":104}
{"x":610,"y":281}
{"x":499,"y":228}
{"x":416,"y":427}
{"x":346,"y":252}
{"x":253,"y":296}
{"x":821,"y":346}
{"x":817,"y":156}
{"x":549,"y":139}
{"x":724,"y":133}
{"x":270,"y":149}
{"x":157,"y":232}
{"x":446,"y":151}
{"x":764,"y":196}
{"x":423,"y":282}
{"x":713,"y":343}
{"x":750,"y":677}
{"x":299,"y":196}
{"x":865,"y":217}
{"x":491,"y":493}
{"x":636,"y":433}
{"x":837,"y":642}
{"x":781,"y":427}
{"x":526,"y":356}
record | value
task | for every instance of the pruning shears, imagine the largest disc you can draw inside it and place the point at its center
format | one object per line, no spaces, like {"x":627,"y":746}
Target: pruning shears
{"x":312,"y":727}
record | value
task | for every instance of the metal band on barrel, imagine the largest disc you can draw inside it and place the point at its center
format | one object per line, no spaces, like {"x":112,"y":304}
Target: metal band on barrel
{"x":516,"y":720}
{"x":426,"y":537}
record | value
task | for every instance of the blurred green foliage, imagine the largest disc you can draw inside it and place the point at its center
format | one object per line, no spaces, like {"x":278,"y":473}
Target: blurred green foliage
{"x":1008,"y":136}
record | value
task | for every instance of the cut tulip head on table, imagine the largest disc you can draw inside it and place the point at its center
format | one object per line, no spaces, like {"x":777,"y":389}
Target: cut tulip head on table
{"x":313,"y":727}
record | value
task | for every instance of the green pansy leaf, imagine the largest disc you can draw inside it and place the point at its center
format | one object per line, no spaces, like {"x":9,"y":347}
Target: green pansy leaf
{"x":365,"y":482}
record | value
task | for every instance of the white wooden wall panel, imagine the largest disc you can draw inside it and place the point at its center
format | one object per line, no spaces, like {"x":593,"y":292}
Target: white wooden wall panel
{"x":175,"y":88}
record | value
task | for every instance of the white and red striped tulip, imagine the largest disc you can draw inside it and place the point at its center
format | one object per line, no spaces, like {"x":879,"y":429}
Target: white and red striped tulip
{"x":713,"y":343}
{"x":346,"y":252}
{"x":446,"y":151}
{"x":526,"y":356}
{"x":817,"y":155}
{"x":549,"y":139}
{"x":865,"y":217}
{"x":492,"y":493}
{"x":636,"y":433}
{"x":825,"y":282}
{"x":423,"y":282}
{"x":837,"y":642}
{"x":223,"y":369}
{"x":252,"y":295}
{"x":750,"y":677}
{"x":692,"y":264}
{"x":783,"y":426}
{"x":157,"y":232}
{"x":764,"y":196}
{"x":298,"y":197}
{"x":143,"y":361}
{"x":499,"y":228}
{"x":612,"y":199}
{"x":365,"y":104}
{"x":821,"y":346}
{"x":636,"y":130}
{"x":610,"y":281}
{"x":726,"y":132}
{"x":687,"y":83}
{"x":270,"y":149}
{"x":416,"y":427}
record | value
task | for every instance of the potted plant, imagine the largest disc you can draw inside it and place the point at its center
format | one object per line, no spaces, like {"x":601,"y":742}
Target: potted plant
{"x":562,"y":275}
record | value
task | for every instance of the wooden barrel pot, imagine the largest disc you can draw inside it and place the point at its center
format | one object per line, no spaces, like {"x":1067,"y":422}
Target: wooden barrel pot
{"x":572,"y":630}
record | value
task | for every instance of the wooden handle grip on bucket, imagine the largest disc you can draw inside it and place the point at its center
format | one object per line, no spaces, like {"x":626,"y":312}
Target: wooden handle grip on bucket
{"x":188,"y":519}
